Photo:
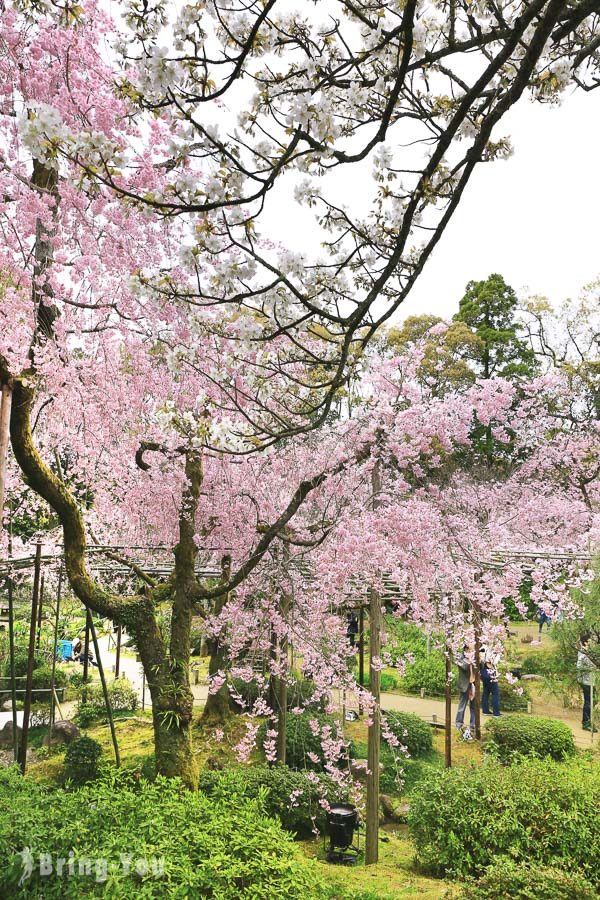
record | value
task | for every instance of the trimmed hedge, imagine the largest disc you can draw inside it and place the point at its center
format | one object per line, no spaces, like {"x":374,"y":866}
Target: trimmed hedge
{"x":507,"y":879}
{"x":531,"y":736}
{"x":82,"y":758}
{"x":175,"y":842}
{"x":538,"y":811}
{"x":292,"y":797}
{"x":412,"y":732}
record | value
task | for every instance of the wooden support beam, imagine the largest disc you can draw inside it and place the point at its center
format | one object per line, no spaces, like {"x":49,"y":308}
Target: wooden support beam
{"x":448,"y":711}
{"x":374,"y":736}
{"x":30,"y":658}
{"x":5,"y":404}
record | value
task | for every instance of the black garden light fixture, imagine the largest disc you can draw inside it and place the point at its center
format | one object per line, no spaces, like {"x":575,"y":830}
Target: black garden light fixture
{"x":342,"y":822}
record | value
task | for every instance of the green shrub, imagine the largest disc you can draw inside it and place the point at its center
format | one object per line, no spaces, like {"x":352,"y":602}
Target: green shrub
{"x":122,"y":695}
{"x":42,"y":676}
{"x":76,"y":679}
{"x":86,"y":715}
{"x":81,"y":760}
{"x":510,"y":701}
{"x":396,"y":768}
{"x":303,"y":748}
{"x":290,"y":796}
{"x":412,"y":732}
{"x":529,"y":735}
{"x":427,"y":673}
{"x":387,"y":681}
{"x":195,"y":846}
{"x":300,"y":694}
{"x":537,"y":811}
{"x":507,"y":879}
{"x":542,"y":662}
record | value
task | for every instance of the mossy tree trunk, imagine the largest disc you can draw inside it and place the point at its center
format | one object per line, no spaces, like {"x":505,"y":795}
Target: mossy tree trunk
{"x":217,"y":707}
{"x":166,"y":667}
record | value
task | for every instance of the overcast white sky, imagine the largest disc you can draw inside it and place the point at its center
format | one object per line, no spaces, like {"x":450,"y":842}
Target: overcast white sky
{"x":534,"y":218}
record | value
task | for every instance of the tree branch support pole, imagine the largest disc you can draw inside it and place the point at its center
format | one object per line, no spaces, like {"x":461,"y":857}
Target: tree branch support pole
{"x":282,"y":684}
{"x":118,"y":652}
{"x":372,"y":839}
{"x":109,"y":712}
{"x":448,"y":712}
{"x":5,"y":404}
{"x":476,"y":673}
{"x":11,"y":652}
{"x":361,"y":645}
{"x":30,"y":656}
{"x":54,"y":652}
{"x":86,"y":655}
{"x":40,"y":609}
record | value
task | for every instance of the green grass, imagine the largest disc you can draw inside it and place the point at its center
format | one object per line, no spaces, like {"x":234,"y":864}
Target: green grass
{"x":393,"y":876}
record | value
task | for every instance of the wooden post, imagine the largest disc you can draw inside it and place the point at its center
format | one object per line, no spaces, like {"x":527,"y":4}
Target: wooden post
{"x":55,"y":650}
{"x":361,"y":645}
{"x":372,"y":838}
{"x":11,"y":652}
{"x":283,"y":685}
{"x":118,"y":652}
{"x":448,"y":721}
{"x":109,"y":713}
{"x":5,"y":404}
{"x":477,"y":686}
{"x":86,"y":653}
{"x":40,"y":608}
{"x":30,"y":656}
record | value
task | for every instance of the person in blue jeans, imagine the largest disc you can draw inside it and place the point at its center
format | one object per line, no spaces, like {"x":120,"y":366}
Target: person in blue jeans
{"x":490,"y":687}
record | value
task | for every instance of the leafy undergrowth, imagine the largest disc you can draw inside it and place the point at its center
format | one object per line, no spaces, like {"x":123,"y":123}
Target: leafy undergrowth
{"x":136,"y":746}
{"x":393,"y":876}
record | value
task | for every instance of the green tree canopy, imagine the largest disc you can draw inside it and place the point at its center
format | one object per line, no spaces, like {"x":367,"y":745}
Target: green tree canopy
{"x":488,"y":309}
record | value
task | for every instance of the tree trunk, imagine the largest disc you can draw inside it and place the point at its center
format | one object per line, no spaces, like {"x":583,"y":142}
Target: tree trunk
{"x":217,"y":708}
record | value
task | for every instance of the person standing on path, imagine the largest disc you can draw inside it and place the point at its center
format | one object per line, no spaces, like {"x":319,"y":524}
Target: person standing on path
{"x":466,"y":687}
{"x":489,"y":679}
{"x":586,"y":671}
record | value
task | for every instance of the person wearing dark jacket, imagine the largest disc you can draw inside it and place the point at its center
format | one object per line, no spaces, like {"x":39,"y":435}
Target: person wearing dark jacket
{"x":490,"y":688}
{"x":466,"y":688}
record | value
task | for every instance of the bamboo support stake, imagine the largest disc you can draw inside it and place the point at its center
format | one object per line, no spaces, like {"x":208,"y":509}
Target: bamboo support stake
{"x":109,"y":712}
{"x":372,"y":838}
{"x":30,"y":657}
{"x":448,"y":721}
{"x":118,"y":652}
{"x":55,"y":651}
{"x":40,"y":609}
{"x":11,"y":651}
{"x":5,"y":404}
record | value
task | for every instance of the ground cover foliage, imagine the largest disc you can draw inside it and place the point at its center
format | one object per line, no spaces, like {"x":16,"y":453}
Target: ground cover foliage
{"x":535,"y":811}
{"x":518,"y":881}
{"x":187,"y":844}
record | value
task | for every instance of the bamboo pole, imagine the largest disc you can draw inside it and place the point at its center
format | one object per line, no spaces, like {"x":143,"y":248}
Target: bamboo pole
{"x":109,"y":712}
{"x":30,"y":657}
{"x":40,"y":608}
{"x":55,"y":649}
{"x":5,"y":404}
{"x":448,"y":711}
{"x":372,"y":838}
{"x":282,"y":684}
{"x":118,"y":651}
{"x":11,"y":652}
{"x":86,"y":655}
